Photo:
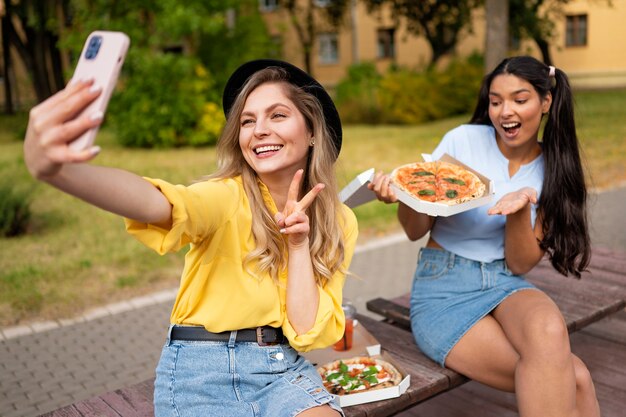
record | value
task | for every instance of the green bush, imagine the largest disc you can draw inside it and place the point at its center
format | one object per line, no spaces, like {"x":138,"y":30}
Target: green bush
{"x":14,"y":209}
{"x":405,"y":96}
{"x":356,"y":96}
{"x":168,"y":101}
{"x":457,"y":86}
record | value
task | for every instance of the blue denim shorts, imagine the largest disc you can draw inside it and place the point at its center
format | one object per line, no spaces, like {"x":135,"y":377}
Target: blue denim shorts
{"x":236,"y":379}
{"x":451,"y":293}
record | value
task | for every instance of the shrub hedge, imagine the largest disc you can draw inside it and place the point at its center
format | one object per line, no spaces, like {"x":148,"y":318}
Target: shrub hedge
{"x":406,"y":96}
{"x":170,"y":102}
{"x":14,"y":209}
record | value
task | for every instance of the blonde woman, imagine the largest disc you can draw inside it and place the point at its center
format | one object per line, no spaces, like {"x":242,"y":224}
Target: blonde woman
{"x":269,"y":242}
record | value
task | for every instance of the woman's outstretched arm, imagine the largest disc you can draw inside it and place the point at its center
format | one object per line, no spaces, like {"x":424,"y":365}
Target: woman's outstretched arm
{"x":52,"y":126}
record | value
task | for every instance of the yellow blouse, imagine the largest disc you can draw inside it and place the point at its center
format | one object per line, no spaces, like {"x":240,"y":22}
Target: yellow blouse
{"x":216,"y":291}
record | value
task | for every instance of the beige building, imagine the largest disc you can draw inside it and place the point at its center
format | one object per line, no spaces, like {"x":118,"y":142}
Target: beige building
{"x":589,"y":43}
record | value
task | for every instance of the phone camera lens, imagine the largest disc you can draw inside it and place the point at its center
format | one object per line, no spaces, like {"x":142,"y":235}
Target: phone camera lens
{"x":93,"y":47}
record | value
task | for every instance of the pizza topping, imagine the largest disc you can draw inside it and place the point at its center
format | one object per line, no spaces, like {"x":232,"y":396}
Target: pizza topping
{"x":422,"y":173}
{"x":355,"y":376}
{"x":358,"y":374}
{"x":426,"y":192}
{"x":454,"y":181}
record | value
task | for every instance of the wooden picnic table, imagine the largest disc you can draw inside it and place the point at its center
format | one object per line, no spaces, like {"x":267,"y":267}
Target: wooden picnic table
{"x":601,"y":292}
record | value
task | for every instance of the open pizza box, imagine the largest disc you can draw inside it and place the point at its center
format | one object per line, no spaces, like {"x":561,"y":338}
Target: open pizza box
{"x":357,"y":193}
{"x":363,"y":344}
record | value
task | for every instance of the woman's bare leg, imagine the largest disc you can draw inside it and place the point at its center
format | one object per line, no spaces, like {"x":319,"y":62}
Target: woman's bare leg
{"x":549,"y":379}
{"x":321,"y":411}
{"x":524,"y":346}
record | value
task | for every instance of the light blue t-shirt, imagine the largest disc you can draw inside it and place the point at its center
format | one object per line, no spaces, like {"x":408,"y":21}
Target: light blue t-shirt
{"x":474,"y":234}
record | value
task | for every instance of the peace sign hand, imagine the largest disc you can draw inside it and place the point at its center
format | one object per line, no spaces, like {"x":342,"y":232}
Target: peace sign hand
{"x":293,"y":220}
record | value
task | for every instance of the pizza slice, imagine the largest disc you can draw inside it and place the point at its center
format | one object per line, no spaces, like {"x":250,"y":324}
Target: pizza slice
{"x":358,"y":374}
{"x":456,"y":185}
{"x":418,"y":179}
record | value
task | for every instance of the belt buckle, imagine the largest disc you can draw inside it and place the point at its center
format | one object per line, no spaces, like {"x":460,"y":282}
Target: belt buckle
{"x":259,"y":337}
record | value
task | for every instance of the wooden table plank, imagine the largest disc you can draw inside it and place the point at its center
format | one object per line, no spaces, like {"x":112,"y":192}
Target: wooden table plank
{"x":95,"y":407}
{"x":133,"y":401}
{"x":69,"y":411}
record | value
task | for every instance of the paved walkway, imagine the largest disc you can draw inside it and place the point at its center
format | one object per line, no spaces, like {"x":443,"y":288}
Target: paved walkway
{"x":45,"y":366}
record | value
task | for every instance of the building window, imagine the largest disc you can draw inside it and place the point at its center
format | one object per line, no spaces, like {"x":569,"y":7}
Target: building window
{"x":268,"y":5}
{"x":322,"y":3}
{"x":386,"y":43}
{"x":576,"y":30}
{"x":328,"y":48}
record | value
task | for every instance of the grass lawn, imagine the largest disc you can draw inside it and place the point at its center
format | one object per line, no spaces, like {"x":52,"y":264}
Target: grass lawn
{"x":76,"y":256}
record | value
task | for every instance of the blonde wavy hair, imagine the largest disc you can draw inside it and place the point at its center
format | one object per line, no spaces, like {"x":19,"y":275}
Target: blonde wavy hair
{"x":325,"y":237}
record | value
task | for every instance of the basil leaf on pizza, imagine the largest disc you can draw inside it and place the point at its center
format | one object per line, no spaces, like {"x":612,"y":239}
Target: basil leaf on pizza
{"x":438,"y":182}
{"x":358,"y":374}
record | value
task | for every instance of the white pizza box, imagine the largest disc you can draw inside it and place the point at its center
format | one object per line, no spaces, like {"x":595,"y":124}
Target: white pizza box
{"x":363,"y":344}
{"x":357,"y":193}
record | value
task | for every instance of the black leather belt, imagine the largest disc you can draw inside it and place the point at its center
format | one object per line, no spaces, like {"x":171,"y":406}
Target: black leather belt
{"x":264,"y":336}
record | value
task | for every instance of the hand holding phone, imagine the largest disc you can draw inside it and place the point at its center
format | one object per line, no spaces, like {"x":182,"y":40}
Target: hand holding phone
{"x":102,"y":58}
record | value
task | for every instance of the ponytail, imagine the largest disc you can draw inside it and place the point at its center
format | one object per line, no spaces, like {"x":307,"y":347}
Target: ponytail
{"x":564,"y":195}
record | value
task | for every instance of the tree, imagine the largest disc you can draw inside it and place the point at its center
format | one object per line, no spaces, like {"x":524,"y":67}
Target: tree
{"x":497,"y":34}
{"x":245,"y":39}
{"x":527,"y":22}
{"x":534,"y":19}
{"x":439,"y":21}
{"x":302,"y":15}
{"x":31,"y":27}
{"x":7,"y":69}
{"x":169,"y":98}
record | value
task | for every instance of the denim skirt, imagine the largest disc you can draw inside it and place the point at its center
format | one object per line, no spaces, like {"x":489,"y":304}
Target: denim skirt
{"x":451,"y":293}
{"x":236,"y":379}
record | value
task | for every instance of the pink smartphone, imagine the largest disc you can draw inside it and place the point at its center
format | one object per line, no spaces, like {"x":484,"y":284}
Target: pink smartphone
{"x":102,"y":58}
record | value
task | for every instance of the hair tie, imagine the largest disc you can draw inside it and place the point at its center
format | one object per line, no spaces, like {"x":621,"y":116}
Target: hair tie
{"x":552,"y":71}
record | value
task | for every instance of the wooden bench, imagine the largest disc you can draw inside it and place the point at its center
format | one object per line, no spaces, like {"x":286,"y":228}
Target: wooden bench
{"x":601,"y":292}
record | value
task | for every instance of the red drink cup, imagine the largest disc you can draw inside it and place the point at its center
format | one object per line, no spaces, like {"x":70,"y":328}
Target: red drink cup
{"x":345,"y":343}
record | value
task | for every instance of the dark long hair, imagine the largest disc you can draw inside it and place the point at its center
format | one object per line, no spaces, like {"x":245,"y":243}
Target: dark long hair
{"x":563,"y":203}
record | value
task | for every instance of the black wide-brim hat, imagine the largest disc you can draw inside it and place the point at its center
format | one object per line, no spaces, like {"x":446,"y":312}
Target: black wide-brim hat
{"x":296,"y":77}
